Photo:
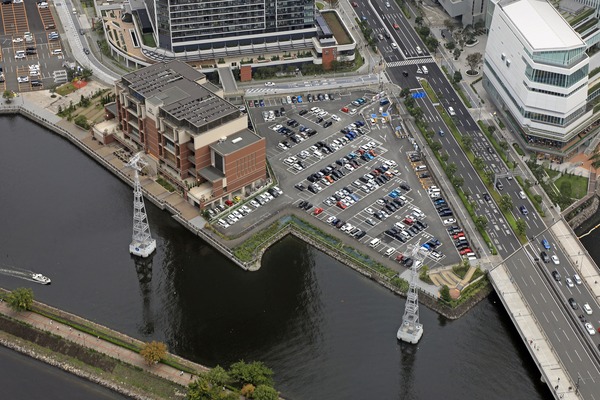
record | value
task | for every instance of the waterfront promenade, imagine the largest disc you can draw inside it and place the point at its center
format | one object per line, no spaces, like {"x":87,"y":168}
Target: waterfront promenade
{"x":100,"y":345}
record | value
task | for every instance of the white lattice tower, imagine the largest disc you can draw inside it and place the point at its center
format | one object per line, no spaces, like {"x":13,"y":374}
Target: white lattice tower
{"x":411,"y":330}
{"x":142,"y":243}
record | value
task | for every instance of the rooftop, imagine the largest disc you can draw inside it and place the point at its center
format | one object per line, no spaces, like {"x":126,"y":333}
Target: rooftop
{"x":174,"y":85}
{"x":540,"y":23}
{"x":236,"y":142}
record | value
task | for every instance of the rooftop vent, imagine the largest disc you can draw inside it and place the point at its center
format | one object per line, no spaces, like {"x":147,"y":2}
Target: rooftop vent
{"x":236,"y":140}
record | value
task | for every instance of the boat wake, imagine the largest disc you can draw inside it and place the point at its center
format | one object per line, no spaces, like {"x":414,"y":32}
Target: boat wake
{"x":20,"y":273}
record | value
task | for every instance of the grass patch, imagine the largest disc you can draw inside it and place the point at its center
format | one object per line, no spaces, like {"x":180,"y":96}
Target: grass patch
{"x":148,"y":40}
{"x":578,"y":185}
{"x":470,"y":291}
{"x":429,"y":90}
{"x":66,"y":89}
{"x":337,"y":28}
{"x":518,"y":149}
{"x":164,"y":183}
{"x":424,"y":275}
{"x":461,"y":270}
{"x":320,"y":6}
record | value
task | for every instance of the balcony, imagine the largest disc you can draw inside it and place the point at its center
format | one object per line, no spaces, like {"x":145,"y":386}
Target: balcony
{"x":192,"y":159}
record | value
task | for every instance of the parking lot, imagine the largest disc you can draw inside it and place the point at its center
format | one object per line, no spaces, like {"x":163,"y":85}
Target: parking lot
{"x":339,"y":161}
{"x":31,"y":47}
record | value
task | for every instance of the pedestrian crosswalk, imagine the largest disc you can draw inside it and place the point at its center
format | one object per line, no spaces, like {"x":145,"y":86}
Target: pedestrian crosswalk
{"x":412,"y":61}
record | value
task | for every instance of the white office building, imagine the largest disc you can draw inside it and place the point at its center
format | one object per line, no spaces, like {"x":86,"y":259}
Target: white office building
{"x":536,"y":71}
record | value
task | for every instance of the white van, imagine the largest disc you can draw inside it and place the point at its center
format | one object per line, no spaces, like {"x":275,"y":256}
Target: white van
{"x":375,"y":242}
{"x":390,"y":251}
{"x":421,"y":168}
{"x":419,"y":52}
{"x":425,"y":70}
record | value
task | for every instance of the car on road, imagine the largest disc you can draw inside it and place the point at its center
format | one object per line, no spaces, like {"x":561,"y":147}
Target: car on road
{"x":86,"y":51}
{"x":522,"y":195}
{"x":487,"y":197}
{"x":394,"y":45}
{"x":577,"y":279}
{"x":441,"y":132}
{"x":546,"y":244}
{"x":587,"y":309}
{"x":523,"y":210}
{"x":396,"y":26}
{"x":555,"y":259}
{"x":449,"y":221}
{"x":590,"y":328}
{"x":569,"y":282}
{"x":573,"y":303}
{"x":269,"y":83}
{"x":556,"y":276}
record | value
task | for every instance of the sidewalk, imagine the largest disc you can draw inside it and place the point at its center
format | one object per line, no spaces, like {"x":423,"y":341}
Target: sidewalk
{"x":95,"y":343}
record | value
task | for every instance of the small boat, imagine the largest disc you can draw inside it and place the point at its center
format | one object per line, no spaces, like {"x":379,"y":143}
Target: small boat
{"x":39,"y":278}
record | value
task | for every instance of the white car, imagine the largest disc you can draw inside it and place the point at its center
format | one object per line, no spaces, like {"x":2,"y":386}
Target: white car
{"x":569,"y":282}
{"x":369,"y":210}
{"x":254,"y":203}
{"x":297,"y":167}
{"x":269,"y":83}
{"x":17,"y":40}
{"x":23,"y":79}
{"x":449,"y":221}
{"x":590,"y":328}
{"x":223,"y":223}
{"x":352,"y":111}
{"x":335,"y":118}
{"x":57,"y":52}
{"x":246,"y":209}
{"x":587,"y":309}
{"x":330,"y":219}
{"x":555,"y":259}
{"x":522,"y":195}
{"x":277,"y":127}
{"x":394,"y":45}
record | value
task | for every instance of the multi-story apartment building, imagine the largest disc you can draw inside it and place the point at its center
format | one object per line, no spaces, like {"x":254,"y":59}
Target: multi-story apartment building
{"x":199,"y":140}
{"x":469,"y":12}
{"x":536,"y":71}
{"x":222,"y":27}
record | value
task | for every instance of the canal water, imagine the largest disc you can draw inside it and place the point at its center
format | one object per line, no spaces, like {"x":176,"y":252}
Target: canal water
{"x":327,"y":332}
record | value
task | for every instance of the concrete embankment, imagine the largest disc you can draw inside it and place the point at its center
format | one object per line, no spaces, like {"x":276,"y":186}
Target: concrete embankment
{"x":89,"y":350}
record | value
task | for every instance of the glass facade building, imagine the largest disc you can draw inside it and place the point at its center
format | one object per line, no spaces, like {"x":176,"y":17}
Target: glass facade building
{"x":198,"y":25}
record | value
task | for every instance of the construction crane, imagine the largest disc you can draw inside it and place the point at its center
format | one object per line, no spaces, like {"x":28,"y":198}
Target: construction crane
{"x":142,"y":243}
{"x":411,"y":330}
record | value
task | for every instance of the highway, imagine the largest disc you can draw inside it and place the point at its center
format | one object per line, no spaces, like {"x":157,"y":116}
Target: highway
{"x":577,"y":350}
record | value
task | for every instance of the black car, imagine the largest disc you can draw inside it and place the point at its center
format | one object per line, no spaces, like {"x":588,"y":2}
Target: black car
{"x":281,"y":110}
{"x":487,"y":197}
{"x":546,"y":259}
{"x":327,"y":124}
{"x":299,"y":186}
{"x":36,"y":83}
{"x":556,"y":276}
{"x":302,"y":112}
{"x":573,"y":303}
{"x":405,"y":186}
{"x":302,"y":204}
{"x":307,"y":206}
{"x":319,"y":120}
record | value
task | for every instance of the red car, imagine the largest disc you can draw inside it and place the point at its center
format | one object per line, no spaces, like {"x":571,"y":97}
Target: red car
{"x":408,"y":221}
{"x":460,"y":234}
{"x":318,"y":211}
{"x":229,"y":203}
{"x":354,"y":4}
{"x":400,"y":257}
{"x":465,"y":251}
{"x":341,"y":205}
{"x":371,"y":152}
{"x":396,"y":26}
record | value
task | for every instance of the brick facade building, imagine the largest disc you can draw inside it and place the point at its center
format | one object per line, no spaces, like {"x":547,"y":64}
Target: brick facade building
{"x":199,"y":140}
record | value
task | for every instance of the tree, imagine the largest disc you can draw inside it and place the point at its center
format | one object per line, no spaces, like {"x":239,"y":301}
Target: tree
{"x":444,"y":157}
{"x":445,"y":293}
{"x":467,"y":141}
{"x":458,"y":181}
{"x":20,"y":299}
{"x":153,"y":352}
{"x":473,"y":61}
{"x":255,"y":373}
{"x":489,"y":175}
{"x":436,"y":146}
{"x":218,"y":376}
{"x":450,"y":25}
{"x":419,"y":21}
{"x":457,"y":76}
{"x":506,"y":203}
{"x":86,"y":74}
{"x":264,"y":392}
{"x":451,"y":169}
{"x":7,"y":95}
{"x":481,"y":222}
{"x":456,"y":53}
{"x":478,"y":163}
{"x":521,"y":226}
{"x":405,"y":92}
{"x":503,"y":145}
{"x":247,"y":390}
{"x":491,"y":129}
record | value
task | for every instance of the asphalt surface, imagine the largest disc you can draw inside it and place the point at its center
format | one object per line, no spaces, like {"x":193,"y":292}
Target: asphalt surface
{"x":577,"y":350}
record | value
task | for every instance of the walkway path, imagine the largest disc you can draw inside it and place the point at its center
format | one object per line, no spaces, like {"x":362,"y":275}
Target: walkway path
{"x":95,"y":343}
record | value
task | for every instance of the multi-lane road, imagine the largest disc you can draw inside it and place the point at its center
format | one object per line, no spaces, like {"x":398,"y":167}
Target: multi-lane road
{"x":546,"y":297}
